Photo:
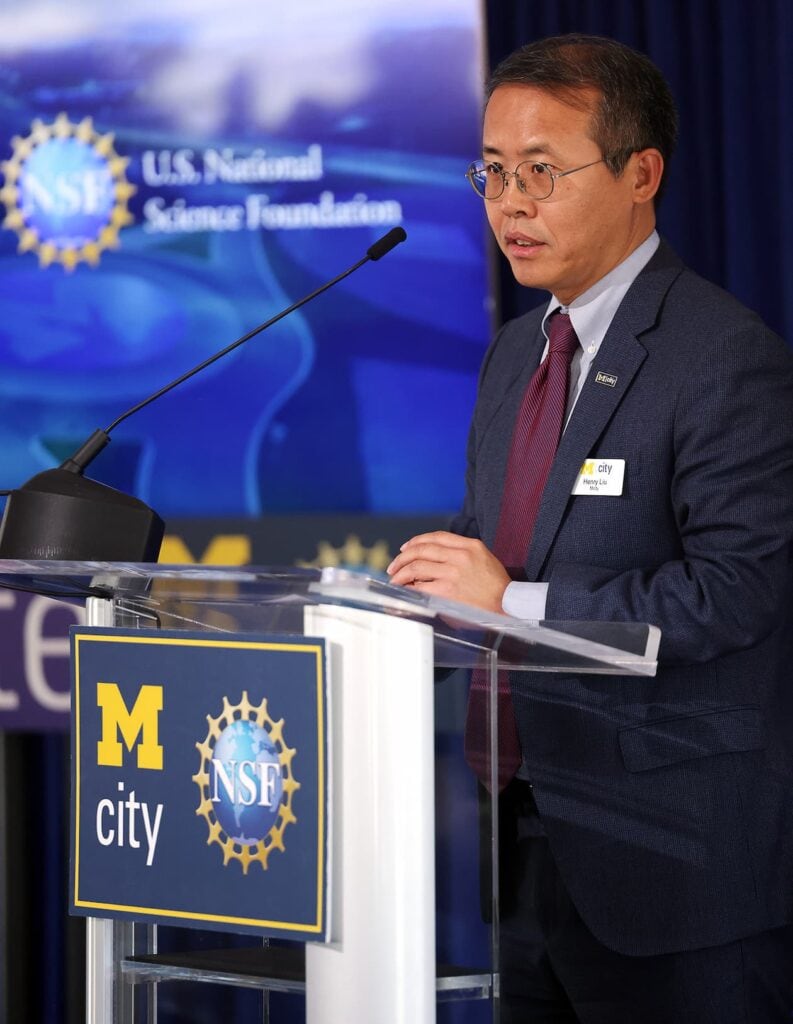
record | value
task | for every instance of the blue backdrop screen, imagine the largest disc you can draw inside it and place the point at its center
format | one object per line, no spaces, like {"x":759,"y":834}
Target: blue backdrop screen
{"x":175,"y":173}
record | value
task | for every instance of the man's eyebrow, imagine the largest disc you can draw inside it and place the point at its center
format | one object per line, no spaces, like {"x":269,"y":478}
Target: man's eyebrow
{"x":528,"y":152}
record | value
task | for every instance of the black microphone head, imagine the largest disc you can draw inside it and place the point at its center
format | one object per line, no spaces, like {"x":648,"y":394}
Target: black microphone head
{"x":386,"y":243}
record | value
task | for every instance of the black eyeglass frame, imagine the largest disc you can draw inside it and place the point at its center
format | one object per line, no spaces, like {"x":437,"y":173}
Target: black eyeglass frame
{"x":478,"y":166}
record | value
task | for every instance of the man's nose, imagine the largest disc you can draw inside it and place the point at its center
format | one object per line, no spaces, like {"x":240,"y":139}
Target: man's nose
{"x":513,"y":201}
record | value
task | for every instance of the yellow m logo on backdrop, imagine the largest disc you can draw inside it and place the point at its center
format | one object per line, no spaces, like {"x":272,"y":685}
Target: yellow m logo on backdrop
{"x":224,"y":549}
{"x":142,"y":719}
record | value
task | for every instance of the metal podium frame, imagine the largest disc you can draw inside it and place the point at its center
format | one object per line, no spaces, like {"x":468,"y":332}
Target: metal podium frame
{"x":386,"y":644}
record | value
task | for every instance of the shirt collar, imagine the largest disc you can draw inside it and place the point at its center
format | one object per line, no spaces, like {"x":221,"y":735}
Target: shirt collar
{"x":592,"y":312}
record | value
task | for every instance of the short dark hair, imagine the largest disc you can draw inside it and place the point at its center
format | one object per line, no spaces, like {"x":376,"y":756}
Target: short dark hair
{"x":636,"y":110}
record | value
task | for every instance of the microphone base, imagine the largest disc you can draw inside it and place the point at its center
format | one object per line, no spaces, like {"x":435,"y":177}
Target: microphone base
{"x":60,"y":515}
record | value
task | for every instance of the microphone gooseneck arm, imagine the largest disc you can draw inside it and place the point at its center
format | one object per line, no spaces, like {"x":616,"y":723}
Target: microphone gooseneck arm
{"x":88,"y":451}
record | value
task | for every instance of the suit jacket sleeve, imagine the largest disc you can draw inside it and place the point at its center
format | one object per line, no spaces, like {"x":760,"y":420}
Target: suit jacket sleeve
{"x":731,"y":493}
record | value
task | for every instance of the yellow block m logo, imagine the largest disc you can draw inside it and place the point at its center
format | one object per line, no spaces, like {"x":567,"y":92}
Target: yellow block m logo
{"x":117,"y":718}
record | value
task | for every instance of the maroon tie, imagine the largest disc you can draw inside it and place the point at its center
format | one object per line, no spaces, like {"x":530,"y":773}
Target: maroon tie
{"x":535,"y":439}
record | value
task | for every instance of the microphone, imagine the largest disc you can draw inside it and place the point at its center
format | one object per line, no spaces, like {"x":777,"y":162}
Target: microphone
{"x":385,"y":244}
{"x":61,"y":514}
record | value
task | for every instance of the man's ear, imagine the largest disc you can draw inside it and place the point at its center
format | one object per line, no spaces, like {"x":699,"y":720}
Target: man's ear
{"x":648,"y":167}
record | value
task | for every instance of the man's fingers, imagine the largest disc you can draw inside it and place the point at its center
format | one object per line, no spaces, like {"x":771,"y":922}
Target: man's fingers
{"x":441,"y":537}
{"x":428,"y":554}
{"x":437,"y":588}
{"x":433,"y":547}
{"x":422,"y":570}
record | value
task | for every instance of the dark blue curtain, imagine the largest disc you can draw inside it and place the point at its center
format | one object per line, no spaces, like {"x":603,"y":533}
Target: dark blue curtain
{"x":728,"y":210}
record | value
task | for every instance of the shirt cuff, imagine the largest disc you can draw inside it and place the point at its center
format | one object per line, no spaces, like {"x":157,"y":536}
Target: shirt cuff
{"x":525,"y":600}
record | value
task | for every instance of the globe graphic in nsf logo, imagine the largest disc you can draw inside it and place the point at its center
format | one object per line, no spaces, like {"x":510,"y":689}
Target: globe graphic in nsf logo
{"x":74,"y":215}
{"x":248,"y":803}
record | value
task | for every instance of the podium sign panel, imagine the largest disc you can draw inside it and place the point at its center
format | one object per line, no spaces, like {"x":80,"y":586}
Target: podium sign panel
{"x":393,"y":948}
{"x":200,"y":780}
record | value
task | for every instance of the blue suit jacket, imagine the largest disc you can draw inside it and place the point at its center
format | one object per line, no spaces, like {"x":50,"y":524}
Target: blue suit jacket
{"x":668,"y":802}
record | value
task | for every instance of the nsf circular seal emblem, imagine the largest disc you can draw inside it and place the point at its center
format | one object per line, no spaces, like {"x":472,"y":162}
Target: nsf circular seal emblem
{"x":246,"y":782}
{"x":65,"y":192}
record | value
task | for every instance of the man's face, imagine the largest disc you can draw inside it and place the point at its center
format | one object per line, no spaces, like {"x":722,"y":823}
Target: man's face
{"x":590,"y":222}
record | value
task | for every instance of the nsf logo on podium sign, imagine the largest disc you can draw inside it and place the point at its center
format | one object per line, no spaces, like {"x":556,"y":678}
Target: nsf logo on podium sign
{"x":200,"y":780}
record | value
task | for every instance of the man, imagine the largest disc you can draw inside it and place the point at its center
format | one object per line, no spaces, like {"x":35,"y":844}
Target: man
{"x":652,"y":850}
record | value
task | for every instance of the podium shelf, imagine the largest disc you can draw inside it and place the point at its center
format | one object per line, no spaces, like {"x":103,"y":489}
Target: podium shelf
{"x":276,"y":969}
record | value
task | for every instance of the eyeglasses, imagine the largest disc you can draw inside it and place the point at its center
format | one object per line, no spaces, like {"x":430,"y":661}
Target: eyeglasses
{"x":533,"y":179}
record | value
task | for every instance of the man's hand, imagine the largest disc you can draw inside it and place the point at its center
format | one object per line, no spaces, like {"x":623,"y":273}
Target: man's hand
{"x":457,"y":568}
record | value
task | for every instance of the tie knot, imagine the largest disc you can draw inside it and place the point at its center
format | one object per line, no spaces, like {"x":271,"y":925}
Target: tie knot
{"x":561,"y":336}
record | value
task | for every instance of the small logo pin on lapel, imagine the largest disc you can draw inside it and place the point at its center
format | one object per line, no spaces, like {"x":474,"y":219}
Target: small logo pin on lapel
{"x":606,"y":378}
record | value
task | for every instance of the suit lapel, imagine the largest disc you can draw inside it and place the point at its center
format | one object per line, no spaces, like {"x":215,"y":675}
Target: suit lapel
{"x":595,"y":406}
{"x":620,"y":357}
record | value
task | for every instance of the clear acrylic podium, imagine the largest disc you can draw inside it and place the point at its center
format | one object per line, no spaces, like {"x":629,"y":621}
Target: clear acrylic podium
{"x":388,"y":647}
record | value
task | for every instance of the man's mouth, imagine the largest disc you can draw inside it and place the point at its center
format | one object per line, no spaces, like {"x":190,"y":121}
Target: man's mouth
{"x":522,"y":243}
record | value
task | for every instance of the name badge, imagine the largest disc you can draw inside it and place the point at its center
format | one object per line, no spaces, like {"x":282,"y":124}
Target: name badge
{"x":600,"y":476}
